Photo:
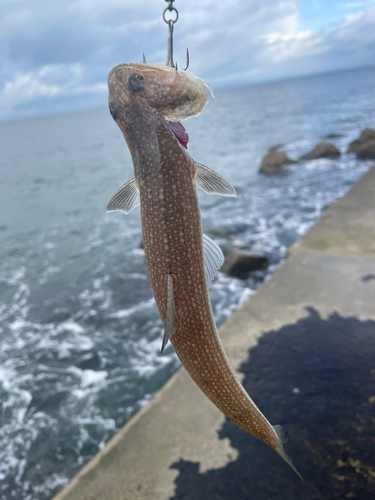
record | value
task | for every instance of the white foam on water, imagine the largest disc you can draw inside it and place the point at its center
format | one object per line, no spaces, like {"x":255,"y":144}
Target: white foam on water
{"x":138,"y":252}
{"x":125,"y":313}
{"x":148,"y":360}
{"x":20,"y":323}
{"x":17,"y":276}
{"x":90,"y":378}
{"x":48,"y":273}
{"x":70,"y":326}
{"x":6,"y":375}
{"x":136,"y":276}
{"x":72,"y":343}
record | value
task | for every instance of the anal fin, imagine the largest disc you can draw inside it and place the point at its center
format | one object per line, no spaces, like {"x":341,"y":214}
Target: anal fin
{"x":213,"y":258}
{"x":170,"y":320}
{"x":126,"y":198}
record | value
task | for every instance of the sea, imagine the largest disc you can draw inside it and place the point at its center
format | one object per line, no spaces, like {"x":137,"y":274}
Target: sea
{"x":80,"y":334}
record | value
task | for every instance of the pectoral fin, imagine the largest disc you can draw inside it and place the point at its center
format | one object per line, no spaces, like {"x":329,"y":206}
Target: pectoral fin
{"x":213,"y":258}
{"x":170,"y":320}
{"x":211,"y":182}
{"x":125,"y":199}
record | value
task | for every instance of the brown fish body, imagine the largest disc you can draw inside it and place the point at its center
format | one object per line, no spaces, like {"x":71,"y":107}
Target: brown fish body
{"x":165,"y":175}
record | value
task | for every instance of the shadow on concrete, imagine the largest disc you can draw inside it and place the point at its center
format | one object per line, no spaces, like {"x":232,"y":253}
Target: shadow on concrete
{"x":317,"y":379}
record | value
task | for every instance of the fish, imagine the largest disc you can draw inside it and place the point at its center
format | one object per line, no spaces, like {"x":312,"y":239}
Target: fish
{"x":148,"y":102}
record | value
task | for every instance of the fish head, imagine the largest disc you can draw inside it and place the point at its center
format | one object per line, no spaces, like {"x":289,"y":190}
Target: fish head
{"x":176,"y":95}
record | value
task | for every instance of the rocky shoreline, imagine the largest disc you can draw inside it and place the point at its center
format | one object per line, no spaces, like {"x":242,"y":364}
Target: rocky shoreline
{"x":240,"y":263}
{"x":275,"y":161}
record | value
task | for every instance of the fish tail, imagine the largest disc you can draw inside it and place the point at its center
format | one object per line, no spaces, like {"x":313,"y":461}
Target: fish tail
{"x":279,"y":448}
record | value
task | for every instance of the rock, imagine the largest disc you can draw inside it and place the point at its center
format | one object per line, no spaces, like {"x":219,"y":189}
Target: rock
{"x":274,"y":162}
{"x":323,"y":150}
{"x":367,"y":135}
{"x":366,"y":151}
{"x":239,"y":263}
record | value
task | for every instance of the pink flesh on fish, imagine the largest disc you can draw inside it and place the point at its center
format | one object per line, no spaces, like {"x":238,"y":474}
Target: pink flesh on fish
{"x":179,"y":131}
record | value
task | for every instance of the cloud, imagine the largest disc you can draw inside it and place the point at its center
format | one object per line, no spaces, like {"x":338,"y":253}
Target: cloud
{"x":51,"y":51}
{"x":291,"y":52}
{"x":353,"y":5}
{"x":48,"y":82}
{"x":354,"y":36}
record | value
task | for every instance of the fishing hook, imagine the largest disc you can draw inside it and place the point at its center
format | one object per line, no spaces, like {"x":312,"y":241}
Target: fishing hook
{"x":171,"y":23}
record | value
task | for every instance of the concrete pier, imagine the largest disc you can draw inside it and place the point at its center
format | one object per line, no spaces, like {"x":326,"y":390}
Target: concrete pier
{"x":304,"y":346}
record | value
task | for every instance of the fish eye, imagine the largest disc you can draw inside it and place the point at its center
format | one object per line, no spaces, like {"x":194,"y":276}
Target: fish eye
{"x":136,"y":83}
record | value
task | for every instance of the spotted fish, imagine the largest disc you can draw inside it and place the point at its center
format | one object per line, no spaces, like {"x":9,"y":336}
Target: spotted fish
{"x":147,"y":102}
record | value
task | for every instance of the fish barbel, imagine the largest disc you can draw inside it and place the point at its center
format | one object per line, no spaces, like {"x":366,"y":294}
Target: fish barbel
{"x":181,"y":260}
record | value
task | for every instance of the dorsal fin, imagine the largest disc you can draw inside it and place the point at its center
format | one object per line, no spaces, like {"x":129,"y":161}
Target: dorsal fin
{"x":211,"y":182}
{"x":170,"y":319}
{"x":125,"y":199}
{"x":213,"y":258}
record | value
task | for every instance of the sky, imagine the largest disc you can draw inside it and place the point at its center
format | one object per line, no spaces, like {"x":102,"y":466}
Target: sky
{"x":55,"y":55}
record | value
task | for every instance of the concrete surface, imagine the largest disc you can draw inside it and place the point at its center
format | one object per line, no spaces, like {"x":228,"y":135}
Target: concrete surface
{"x":348,"y":227}
{"x":304,"y":344}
